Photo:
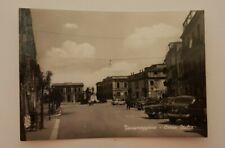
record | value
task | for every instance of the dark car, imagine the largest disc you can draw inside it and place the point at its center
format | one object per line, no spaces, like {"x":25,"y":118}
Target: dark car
{"x":160,"y":109}
{"x":198,"y":112}
{"x":130,"y":103}
{"x":179,"y":108}
{"x":140,"y":104}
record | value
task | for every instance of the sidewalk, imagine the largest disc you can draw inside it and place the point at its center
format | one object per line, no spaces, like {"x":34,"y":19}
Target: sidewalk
{"x":45,"y":133}
{"x":50,"y":130}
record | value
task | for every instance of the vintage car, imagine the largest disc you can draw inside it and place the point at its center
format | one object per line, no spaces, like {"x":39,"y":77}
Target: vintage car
{"x":198,"y":112}
{"x":160,"y":109}
{"x":115,"y":101}
{"x":180,"y":108}
{"x":118,"y":101}
{"x":130,"y":103}
{"x":141,"y":103}
{"x":121,"y":102}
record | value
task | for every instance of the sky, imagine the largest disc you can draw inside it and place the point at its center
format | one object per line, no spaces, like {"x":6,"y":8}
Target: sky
{"x":87,"y":46}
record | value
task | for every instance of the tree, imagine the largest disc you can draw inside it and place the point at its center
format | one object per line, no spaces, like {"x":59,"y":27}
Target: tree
{"x":45,"y":81}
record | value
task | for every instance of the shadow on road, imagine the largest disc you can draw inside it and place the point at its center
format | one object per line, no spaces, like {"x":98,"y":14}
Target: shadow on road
{"x":178,"y":122}
{"x":145,"y":118}
{"x":200,"y":130}
{"x":67,"y":113}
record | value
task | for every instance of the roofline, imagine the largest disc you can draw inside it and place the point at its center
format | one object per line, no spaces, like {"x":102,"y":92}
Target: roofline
{"x":68,"y":84}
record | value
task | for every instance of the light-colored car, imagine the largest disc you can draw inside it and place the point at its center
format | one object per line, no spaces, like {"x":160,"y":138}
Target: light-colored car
{"x":115,"y":102}
{"x":121,"y":102}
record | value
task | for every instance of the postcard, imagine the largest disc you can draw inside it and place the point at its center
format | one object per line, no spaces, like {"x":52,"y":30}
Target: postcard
{"x":99,"y":74}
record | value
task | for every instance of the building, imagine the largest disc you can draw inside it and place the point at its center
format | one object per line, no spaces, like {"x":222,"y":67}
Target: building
{"x":30,"y":75}
{"x":149,"y":82}
{"x":71,"y":92}
{"x":112,"y":87}
{"x":190,"y":59}
{"x":100,"y":92}
{"x":192,"y":72}
{"x":172,"y":62}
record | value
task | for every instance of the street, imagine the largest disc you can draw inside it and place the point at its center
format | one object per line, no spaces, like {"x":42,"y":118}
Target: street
{"x":106,"y":120}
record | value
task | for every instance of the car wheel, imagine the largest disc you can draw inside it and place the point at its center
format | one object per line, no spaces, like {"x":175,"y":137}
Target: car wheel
{"x":160,"y":115}
{"x":149,"y":116}
{"x":172,"y":120}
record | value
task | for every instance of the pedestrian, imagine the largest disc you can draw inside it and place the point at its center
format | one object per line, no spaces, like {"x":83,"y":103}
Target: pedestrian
{"x":128,"y":103}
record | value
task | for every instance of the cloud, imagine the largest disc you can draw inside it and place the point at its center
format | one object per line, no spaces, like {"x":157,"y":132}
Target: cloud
{"x":71,"y":49}
{"x":118,"y":68}
{"x":70,"y":26}
{"x":67,"y":57}
{"x":90,"y":79}
{"x":145,"y":37}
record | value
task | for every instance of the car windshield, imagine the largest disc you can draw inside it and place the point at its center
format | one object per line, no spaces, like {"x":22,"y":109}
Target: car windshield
{"x":184,"y":100}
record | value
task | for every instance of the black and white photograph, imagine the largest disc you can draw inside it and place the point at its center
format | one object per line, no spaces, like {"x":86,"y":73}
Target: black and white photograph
{"x":111,"y":74}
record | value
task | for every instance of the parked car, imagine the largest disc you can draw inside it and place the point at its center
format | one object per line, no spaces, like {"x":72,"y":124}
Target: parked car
{"x":160,"y":109}
{"x":180,"y":108}
{"x":130,"y":103}
{"x":198,"y":112}
{"x":140,"y":104}
{"x":121,"y":102}
{"x":115,"y":101}
{"x":118,"y":101}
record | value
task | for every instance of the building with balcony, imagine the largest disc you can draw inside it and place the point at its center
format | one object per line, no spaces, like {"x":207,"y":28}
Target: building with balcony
{"x":149,"y":82}
{"x":192,"y":69}
{"x":186,"y":62}
{"x":173,"y":61}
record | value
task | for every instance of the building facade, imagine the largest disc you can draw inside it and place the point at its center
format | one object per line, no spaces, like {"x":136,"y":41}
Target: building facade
{"x":30,"y":76}
{"x":71,"y":92}
{"x":148,"y":83}
{"x":189,"y":76}
{"x":172,"y":61}
{"x":114,"y":87}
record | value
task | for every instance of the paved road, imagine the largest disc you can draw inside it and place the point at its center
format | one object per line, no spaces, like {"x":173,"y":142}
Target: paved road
{"x":106,"y":120}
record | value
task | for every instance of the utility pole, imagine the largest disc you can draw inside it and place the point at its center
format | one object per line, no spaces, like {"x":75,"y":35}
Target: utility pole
{"x":110,"y":62}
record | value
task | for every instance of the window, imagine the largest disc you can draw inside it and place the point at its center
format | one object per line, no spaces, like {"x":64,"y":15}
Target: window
{"x":198,"y":32}
{"x":118,"y":85}
{"x":136,"y":84}
{"x":187,"y":42}
{"x":137,"y":94}
{"x":151,"y":82}
{"x":125,"y":84}
{"x":164,"y":70}
{"x":190,"y":43}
